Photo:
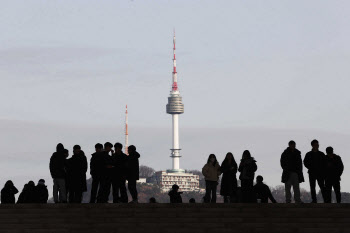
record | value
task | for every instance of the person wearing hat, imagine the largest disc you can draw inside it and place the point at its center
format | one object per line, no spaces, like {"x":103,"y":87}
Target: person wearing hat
{"x":175,"y":195}
{"x":41,"y":192}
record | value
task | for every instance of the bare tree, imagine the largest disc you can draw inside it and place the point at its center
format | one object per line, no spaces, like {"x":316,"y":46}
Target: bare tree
{"x":146,"y":171}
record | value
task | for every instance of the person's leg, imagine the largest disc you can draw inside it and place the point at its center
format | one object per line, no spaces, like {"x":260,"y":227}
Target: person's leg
{"x":132,"y":189}
{"x":296,"y":187}
{"x":320,"y":182}
{"x":94,"y":188}
{"x":336,"y":186}
{"x":55,"y":191}
{"x":287,"y":188}
{"x":250,"y":192}
{"x":61,"y":190}
{"x":72,"y":196}
{"x":115,"y":188}
{"x":244,"y":187}
{"x":103,"y":194}
{"x":328,"y":191}
{"x":78,"y":197}
{"x":312,"y":180}
{"x":207,"y":192}
{"x":226,"y":199}
{"x":123,"y":193}
{"x":213,"y":191}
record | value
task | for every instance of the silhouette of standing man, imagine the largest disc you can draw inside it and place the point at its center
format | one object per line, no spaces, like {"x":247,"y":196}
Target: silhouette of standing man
{"x":292,"y":175}
{"x":103,"y":196}
{"x":58,"y":174}
{"x":119,"y":174}
{"x":96,"y":171}
{"x":77,"y":167}
{"x":334,"y":170}
{"x":133,"y":171}
{"x":314,"y":161}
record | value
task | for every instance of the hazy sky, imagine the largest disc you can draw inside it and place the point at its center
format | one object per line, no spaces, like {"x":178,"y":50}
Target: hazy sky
{"x":249,"y":68}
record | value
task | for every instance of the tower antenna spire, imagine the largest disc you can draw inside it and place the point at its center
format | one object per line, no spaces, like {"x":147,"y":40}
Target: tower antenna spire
{"x":174,"y":86}
{"x":126,"y":131}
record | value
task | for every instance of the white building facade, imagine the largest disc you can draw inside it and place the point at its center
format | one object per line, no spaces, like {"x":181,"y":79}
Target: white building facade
{"x":186,"y":181}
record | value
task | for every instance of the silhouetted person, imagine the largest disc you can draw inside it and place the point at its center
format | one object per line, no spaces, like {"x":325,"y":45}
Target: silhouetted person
{"x":41,"y":192}
{"x":119,"y":174}
{"x":103,"y":194}
{"x":96,"y":171}
{"x":262,"y":191}
{"x":8,"y":193}
{"x":152,"y":200}
{"x":192,"y":200}
{"x":175,"y":195}
{"x":133,"y":171}
{"x":229,"y":181}
{"x":247,"y":168}
{"x":333,"y":170}
{"x":211,"y":173}
{"x":314,"y":161}
{"x":77,"y":167}
{"x":58,"y":174}
{"x":28,"y":194}
{"x":292,"y":175}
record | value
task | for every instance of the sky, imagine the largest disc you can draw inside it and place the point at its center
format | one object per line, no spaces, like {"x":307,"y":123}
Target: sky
{"x":253,"y":75}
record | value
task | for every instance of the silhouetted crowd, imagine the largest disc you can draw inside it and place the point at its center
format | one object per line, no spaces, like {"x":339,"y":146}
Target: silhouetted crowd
{"x":112,"y":169}
{"x":108,"y":168}
{"x":325,"y":169}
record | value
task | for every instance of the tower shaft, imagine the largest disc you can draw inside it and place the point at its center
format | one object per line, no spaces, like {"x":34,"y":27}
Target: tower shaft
{"x":176,"y":147}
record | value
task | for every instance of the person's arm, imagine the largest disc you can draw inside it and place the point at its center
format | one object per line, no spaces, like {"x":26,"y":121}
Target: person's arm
{"x":283,"y":161}
{"x":307,"y":161}
{"x":300,"y":163}
{"x":137,"y":155}
{"x":205,"y":170}
{"x":15,"y":190}
{"x":85,"y":164}
{"x":341,"y":167}
{"x":92,"y":167}
{"x":240,"y":168}
{"x":46,"y":195}
{"x":224,"y":168}
{"x":218,"y":170}
{"x":254,"y":167}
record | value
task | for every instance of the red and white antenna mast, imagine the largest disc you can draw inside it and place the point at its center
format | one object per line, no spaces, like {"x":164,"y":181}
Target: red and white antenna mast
{"x":126,"y":132}
{"x":174,"y":86}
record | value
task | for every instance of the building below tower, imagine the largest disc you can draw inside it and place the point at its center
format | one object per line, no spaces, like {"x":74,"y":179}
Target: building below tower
{"x":186,"y":181}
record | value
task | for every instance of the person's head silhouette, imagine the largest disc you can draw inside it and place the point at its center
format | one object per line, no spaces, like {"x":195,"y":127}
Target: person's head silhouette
{"x":259,"y":179}
{"x":315,"y":145}
{"x":118,"y":147}
{"x":292,"y":145}
{"x":98,"y":147}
